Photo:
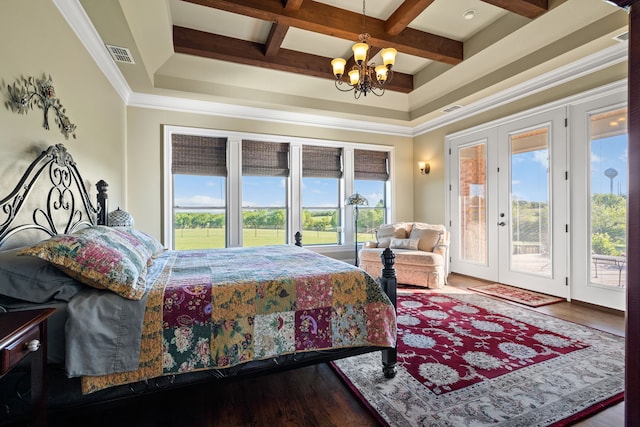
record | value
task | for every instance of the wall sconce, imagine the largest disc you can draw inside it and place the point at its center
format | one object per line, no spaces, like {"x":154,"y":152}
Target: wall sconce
{"x":425,"y":168}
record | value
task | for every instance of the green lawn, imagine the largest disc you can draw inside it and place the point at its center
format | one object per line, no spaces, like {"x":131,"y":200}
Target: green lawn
{"x":203,"y":238}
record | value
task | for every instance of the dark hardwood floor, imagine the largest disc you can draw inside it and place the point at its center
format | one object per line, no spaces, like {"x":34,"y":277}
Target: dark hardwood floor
{"x":311,"y":396}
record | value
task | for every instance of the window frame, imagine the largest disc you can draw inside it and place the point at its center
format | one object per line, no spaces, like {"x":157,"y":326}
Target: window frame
{"x":233,"y":231}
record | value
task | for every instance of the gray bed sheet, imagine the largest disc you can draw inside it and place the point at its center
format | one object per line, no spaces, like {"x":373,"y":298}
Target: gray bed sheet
{"x":103,"y":330}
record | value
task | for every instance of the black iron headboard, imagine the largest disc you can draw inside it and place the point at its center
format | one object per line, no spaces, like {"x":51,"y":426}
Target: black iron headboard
{"x":66,"y":205}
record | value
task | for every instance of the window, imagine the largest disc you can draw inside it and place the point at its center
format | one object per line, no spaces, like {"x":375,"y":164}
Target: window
{"x":609,"y":172}
{"x":227,"y":189}
{"x":265,"y":170}
{"x":371,"y":176}
{"x":321,"y":175}
{"x":199,"y":171}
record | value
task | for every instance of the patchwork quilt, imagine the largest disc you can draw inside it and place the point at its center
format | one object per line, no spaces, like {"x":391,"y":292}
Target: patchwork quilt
{"x":214,"y":309}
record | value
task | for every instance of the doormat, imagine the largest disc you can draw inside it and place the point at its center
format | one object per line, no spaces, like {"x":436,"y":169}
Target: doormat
{"x":511,"y":293}
{"x":469,"y":360}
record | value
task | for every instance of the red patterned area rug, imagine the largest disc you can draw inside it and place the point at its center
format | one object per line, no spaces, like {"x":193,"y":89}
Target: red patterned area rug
{"x":511,"y":293}
{"x":468,"y":360}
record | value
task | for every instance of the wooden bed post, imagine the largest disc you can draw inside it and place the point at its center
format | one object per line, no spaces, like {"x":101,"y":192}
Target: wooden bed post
{"x":389,"y":284}
{"x":102,"y":202}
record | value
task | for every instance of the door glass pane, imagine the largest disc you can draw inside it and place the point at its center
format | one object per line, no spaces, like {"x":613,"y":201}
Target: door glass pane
{"x":530,"y":226}
{"x":473,"y":206}
{"x":609,"y":167}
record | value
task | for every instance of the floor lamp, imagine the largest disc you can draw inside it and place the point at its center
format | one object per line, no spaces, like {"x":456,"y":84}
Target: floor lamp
{"x":356,"y":200}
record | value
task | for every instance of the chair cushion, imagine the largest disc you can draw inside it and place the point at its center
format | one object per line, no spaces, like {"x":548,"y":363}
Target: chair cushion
{"x":398,"y":231}
{"x":429,"y":236}
{"x":404,"y":244}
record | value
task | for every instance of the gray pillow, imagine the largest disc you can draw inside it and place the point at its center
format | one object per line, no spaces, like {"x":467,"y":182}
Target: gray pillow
{"x":33,"y":279}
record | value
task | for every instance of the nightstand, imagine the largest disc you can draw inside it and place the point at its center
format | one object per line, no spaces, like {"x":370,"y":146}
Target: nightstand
{"x":23,"y":333}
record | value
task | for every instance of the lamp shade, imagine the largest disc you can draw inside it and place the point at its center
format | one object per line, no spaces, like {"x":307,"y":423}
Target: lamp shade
{"x":356,"y":199}
{"x":338,"y":65}
{"x":119,"y":218}
{"x":354,"y":77}
{"x":389,"y":56}
{"x":360,"y":52}
{"x":381,"y":73}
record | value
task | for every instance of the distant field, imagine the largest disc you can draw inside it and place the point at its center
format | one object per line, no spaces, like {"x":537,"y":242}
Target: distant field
{"x":202,"y":238}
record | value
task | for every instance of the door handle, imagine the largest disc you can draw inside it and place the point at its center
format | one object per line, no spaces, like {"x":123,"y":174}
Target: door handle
{"x":502,"y":223}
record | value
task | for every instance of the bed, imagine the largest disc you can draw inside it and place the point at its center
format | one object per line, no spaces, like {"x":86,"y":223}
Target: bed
{"x":132,"y":318}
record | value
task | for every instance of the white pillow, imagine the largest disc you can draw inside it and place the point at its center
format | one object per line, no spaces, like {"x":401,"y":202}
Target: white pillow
{"x":384,"y":242}
{"x":429,"y":237}
{"x":411,"y":244}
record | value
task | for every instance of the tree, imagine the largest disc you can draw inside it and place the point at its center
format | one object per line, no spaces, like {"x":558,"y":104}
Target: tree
{"x":252,"y":219}
{"x":277,"y":219}
{"x":609,"y":224}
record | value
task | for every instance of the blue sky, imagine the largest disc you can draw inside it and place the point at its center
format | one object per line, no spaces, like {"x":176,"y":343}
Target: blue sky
{"x":530,"y":170}
{"x":266,"y":191}
{"x":609,"y":153}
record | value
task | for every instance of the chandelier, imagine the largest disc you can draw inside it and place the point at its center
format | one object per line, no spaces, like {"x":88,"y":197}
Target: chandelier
{"x":364,"y":78}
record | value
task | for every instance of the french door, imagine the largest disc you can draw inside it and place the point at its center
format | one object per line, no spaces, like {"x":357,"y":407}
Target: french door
{"x":600,"y":167}
{"x":509,"y":203}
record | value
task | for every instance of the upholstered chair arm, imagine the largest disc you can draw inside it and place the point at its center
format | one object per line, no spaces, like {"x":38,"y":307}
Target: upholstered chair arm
{"x":443,"y":249}
{"x":370,"y":244}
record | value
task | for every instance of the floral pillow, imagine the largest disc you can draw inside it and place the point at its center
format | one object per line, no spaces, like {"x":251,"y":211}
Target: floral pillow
{"x":151,"y":243}
{"x":98,"y":257}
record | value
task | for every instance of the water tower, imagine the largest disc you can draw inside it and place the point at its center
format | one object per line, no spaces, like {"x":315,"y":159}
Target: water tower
{"x":611,"y":173}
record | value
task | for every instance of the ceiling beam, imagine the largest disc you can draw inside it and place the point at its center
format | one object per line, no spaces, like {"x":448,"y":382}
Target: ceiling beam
{"x":528,"y":8}
{"x":292,"y":4}
{"x":404,"y":15}
{"x":279,"y":31}
{"x":336,"y":22}
{"x":275,"y":39}
{"x":207,"y":45}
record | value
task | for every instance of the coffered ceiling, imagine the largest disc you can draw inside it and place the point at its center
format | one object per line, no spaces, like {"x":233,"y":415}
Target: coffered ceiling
{"x":275,"y":54}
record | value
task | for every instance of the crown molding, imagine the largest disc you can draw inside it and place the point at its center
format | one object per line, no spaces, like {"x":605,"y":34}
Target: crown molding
{"x":143,"y":100}
{"x":80,"y":23}
{"x":582,"y":67}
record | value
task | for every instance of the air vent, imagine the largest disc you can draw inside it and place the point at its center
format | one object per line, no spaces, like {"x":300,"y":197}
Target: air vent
{"x":120,"y":54}
{"x":622,"y":37}
{"x":451,"y":108}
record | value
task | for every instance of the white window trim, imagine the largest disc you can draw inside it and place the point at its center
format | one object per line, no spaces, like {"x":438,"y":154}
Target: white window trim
{"x":294,"y":188}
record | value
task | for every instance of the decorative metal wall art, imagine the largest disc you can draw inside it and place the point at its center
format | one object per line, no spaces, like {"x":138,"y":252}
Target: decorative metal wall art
{"x":26,"y":93}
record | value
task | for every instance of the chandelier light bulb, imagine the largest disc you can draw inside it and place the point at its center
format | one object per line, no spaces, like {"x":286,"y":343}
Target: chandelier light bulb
{"x":360,"y":52}
{"x":388,"y":56}
{"x":354,"y":77}
{"x":338,"y":65}
{"x":381,"y":73}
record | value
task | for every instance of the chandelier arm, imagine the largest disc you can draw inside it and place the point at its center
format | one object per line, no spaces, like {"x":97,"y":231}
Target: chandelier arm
{"x":367,"y":75}
{"x":340,"y":82}
{"x":381,"y":89}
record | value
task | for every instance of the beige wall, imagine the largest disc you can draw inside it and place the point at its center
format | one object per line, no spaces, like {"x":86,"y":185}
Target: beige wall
{"x":430,"y":192}
{"x":35,"y":40}
{"x":144,"y":155}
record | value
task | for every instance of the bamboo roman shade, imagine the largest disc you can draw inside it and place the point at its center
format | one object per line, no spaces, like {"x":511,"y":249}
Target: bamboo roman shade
{"x":371,"y":165}
{"x":321,"y":162}
{"x":198,"y":155}
{"x":261,"y":158}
